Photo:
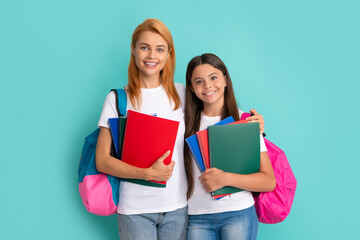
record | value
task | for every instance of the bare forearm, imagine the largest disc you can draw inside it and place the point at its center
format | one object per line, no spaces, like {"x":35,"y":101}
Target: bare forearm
{"x":256,"y":182}
{"x":107,"y":164}
{"x":117,"y":168}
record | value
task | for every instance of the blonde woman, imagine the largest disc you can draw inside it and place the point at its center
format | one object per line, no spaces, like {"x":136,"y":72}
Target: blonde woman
{"x":148,"y":212}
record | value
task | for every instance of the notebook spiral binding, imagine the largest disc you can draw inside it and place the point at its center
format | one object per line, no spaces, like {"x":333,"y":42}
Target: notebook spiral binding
{"x":210,"y":152}
{"x":202,"y":150}
{"x":193,"y":155}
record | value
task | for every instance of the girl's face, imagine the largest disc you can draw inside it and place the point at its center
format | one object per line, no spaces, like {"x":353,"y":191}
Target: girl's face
{"x":151,"y":52}
{"x":208,"y":84}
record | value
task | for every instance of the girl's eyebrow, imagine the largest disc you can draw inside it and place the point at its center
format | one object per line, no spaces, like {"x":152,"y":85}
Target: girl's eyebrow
{"x":198,"y":78}
{"x":212,"y":74}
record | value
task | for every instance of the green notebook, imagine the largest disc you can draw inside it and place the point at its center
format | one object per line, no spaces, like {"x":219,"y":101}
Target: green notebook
{"x":234,"y":148}
{"x":122,"y":123}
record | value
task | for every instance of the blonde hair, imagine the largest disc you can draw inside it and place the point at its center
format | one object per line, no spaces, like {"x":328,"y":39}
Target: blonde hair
{"x":166,"y":74}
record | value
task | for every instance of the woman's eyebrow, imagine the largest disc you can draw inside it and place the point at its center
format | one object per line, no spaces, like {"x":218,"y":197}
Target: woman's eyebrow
{"x":146,"y":44}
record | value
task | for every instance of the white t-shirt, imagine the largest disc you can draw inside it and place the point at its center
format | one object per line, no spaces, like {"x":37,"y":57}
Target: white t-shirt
{"x":201,"y":201}
{"x":139,"y":199}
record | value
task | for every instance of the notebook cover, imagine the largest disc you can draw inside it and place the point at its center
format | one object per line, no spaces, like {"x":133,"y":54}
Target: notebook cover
{"x":193,"y":144}
{"x":122,"y":125}
{"x":146,"y":138}
{"x":234,"y":148}
{"x":114,"y":130}
{"x":202,"y":137}
{"x":121,"y":131}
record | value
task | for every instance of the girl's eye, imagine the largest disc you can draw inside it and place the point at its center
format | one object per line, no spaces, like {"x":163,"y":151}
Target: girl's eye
{"x":160,"y":50}
{"x":197,"y":82}
{"x":213,"y":78}
{"x":143,"y":48}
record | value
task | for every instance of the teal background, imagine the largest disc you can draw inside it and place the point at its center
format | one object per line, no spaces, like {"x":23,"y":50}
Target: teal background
{"x":296,"y":62}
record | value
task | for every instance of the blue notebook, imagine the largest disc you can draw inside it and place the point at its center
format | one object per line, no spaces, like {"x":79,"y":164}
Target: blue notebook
{"x":114,"y":129}
{"x":193,"y":144}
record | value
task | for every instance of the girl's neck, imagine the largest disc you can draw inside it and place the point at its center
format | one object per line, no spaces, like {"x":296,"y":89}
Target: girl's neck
{"x":213,"y":109}
{"x":149,"y":81}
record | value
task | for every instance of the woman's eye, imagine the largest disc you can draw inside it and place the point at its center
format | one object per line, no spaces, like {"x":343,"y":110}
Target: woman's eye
{"x":160,"y":50}
{"x":213,"y":78}
{"x":143,"y":48}
{"x":197,"y":82}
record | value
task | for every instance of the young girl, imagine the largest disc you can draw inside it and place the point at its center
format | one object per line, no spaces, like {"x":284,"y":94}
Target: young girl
{"x":209,"y":99}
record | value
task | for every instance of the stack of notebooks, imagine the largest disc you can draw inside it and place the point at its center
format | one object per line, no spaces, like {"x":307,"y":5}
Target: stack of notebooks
{"x":140,"y":139}
{"x":230,"y":146}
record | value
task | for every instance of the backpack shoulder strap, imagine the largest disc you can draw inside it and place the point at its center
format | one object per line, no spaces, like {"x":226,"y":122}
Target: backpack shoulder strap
{"x":121,"y":101}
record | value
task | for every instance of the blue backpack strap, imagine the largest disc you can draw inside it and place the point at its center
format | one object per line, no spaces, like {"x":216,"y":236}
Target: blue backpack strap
{"x":121,"y":102}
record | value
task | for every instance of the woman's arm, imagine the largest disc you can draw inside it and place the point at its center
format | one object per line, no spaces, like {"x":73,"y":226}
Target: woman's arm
{"x":107,"y":164}
{"x":262,"y":181}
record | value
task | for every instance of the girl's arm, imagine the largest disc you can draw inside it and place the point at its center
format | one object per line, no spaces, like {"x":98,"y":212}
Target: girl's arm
{"x":257,"y":118}
{"x":262,"y":181}
{"x":107,"y":164}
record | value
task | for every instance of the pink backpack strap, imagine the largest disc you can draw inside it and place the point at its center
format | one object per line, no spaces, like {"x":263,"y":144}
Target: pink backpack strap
{"x":244,"y":116}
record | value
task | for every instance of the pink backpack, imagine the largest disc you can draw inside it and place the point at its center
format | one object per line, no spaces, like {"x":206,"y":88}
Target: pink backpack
{"x":275,"y":206}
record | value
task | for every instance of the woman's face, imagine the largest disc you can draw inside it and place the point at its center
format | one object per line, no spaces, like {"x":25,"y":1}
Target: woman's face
{"x":208,"y":84}
{"x":151,"y":52}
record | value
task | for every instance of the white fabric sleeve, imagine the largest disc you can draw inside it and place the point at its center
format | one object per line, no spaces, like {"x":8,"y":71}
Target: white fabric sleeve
{"x":262,"y":144}
{"x":108,"y":110}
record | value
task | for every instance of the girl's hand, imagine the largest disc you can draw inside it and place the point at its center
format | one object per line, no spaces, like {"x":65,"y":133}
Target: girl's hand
{"x":257,"y":118}
{"x":159,"y":171}
{"x":212,"y":179}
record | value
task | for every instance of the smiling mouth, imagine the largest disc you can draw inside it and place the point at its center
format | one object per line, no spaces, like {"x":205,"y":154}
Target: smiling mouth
{"x":151,"y":64}
{"x":209,"y":93}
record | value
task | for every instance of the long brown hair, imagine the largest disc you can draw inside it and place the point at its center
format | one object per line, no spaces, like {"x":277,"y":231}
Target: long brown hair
{"x":194,"y":106}
{"x":166,"y":74}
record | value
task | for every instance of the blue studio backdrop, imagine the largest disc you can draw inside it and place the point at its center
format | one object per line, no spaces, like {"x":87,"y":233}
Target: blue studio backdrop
{"x":296,"y":62}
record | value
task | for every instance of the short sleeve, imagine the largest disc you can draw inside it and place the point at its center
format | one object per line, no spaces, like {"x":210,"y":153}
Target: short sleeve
{"x":262,"y":144}
{"x":108,"y":110}
{"x":240,"y":113}
{"x":180,"y":88}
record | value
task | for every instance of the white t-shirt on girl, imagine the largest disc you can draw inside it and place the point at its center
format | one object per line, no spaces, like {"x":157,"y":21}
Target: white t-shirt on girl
{"x":201,"y":201}
{"x":139,"y":199}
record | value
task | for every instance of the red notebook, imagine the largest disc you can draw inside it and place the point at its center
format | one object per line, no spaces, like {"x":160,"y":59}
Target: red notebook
{"x":202,"y":137}
{"x":146,"y":138}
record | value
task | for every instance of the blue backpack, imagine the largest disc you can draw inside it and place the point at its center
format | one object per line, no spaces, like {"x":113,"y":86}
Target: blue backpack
{"x":99,"y":192}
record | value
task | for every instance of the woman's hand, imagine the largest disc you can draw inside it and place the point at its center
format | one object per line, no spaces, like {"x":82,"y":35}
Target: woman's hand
{"x":257,"y":118}
{"x":159,"y":171}
{"x":212,"y":179}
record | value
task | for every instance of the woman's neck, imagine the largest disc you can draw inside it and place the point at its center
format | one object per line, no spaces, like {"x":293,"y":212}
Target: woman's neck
{"x":149,"y":81}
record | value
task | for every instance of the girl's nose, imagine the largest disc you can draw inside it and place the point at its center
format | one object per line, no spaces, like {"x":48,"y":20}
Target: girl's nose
{"x":208,"y":84}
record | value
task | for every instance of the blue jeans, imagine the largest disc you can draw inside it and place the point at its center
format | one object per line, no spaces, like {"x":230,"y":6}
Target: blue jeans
{"x":242,"y":225}
{"x":152,"y":226}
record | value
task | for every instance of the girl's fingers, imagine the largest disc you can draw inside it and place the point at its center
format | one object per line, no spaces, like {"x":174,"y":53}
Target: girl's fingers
{"x":253,"y":111}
